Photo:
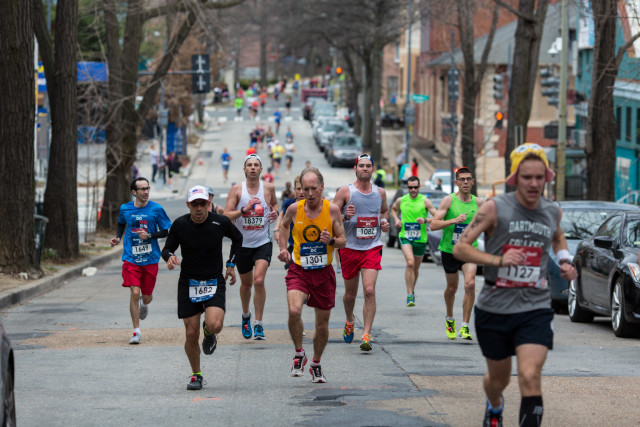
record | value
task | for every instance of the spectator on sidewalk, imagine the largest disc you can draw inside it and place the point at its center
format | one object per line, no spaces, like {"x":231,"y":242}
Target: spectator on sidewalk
{"x":153,"y":158}
{"x":414,"y":167}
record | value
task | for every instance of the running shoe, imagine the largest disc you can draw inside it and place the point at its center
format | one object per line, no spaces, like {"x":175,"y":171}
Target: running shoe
{"x":491,"y":419}
{"x":299,"y":361}
{"x":347,"y":334}
{"x":209,"y":342}
{"x":246,"y":327}
{"x":316,"y":374}
{"x":451,"y":329}
{"x":135,"y":339}
{"x":144,"y":310}
{"x":411,"y":301}
{"x":366,"y":343}
{"x":195,"y":383}
{"x":464,"y":333}
{"x":258,"y":332}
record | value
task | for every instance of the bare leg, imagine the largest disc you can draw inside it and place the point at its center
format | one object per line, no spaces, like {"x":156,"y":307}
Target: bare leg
{"x":349,"y":298}
{"x":531,"y":358}
{"x":417,"y":262}
{"x":496,"y":379}
{"x":191,"y":345}
{"x":369,"y":278}
{"x":450,"y":291}
{"x":134,"y":305}
{"x":259,"y":291}
{"x":409,"y":272}
{"x":322,"y":333}
{"x":295,"y":300}
{"x":246,"y":281}
{"x":469,"y":274}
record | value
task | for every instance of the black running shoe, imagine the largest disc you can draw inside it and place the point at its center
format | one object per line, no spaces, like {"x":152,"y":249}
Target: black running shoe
{"x":195,"y":383}
{"x":209,"y":342}
{"x":316,"y":374}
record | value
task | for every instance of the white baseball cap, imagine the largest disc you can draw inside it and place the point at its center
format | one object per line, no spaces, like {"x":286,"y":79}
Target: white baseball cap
{"x":197,"y":192}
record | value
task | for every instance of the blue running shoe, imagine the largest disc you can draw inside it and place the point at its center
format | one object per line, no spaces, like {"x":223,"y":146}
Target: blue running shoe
{"x":411,"y":301}
{"x":258,"y":332}
{"x":246,"y":327}
{"x":347,"y":333}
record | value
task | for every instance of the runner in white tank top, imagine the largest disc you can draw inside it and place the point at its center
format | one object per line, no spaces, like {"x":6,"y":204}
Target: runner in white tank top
{"x":252,"y":205}
{"x":366,"y":214}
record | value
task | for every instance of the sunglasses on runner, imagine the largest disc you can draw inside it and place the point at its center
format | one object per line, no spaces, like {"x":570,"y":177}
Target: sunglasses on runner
{"x":198,"y":203}
{"x":413,"y":187}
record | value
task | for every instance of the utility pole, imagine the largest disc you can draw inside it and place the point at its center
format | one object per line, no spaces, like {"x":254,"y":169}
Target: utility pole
{"x":408,"y":97}
{"x":453,"y":96}
{"x":562,"y":115}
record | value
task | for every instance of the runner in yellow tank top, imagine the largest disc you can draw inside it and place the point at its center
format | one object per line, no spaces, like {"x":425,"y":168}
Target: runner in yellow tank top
{"x":465,"y":202}
{"x":317,"y":231}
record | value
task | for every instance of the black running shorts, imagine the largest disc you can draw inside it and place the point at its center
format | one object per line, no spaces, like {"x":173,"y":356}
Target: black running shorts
{"x":450,"y":263}
{"x":247,"y":257}
{"x":500,"y":334}
{"x":186,"y":308}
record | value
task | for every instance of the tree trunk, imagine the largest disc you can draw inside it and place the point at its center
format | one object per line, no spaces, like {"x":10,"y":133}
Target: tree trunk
{"x":61,"y":194}
{"x":601,"y":123}
{"x":376,"y":90}
{"x":367,"y":108}
{"x":524,"y":70}
{"x":354,"y":88}
{"x":17,"y":246}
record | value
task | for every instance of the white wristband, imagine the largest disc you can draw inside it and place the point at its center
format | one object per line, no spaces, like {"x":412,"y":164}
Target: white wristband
{"x":563,"y":254}
{"x":383,"y":221}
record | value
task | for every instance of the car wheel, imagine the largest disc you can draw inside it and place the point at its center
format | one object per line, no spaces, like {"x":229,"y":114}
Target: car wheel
{"x":9,"y":398}
{"x":576,"y":312}
{"x":391,"y":242}
{"x":621,"y":327}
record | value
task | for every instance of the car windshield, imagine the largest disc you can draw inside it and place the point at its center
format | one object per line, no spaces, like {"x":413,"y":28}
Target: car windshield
{"x":581,"y":224}
{"x":333,"y":127}
{"x":349,"y":142}
{"x":632,"y":233}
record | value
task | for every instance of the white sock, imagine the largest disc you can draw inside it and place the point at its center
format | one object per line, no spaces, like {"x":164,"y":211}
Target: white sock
{"x":246,"y":315}
{"x":136,"y":330}
{"x":142,"y":304}
{"x":258,"y":322}
{"x":465,"y":324}
{"x":449,"y":318}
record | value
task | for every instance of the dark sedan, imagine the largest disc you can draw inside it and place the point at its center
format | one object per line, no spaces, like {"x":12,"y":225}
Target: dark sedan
{"x":8,"y":377}
{"x":608,"y":282}
{"x":580,"y":219}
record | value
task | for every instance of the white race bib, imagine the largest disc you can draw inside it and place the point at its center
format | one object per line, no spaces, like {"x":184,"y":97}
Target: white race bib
{"x":313,"y":255}
{"x":250,"y":221}
{"x":202,"y":290}
{"x":526,"y":275}
{"x":141,"y":249}
{"x":367,"y":227}
{"x":412,"y":231}
{"x":458,"y":229}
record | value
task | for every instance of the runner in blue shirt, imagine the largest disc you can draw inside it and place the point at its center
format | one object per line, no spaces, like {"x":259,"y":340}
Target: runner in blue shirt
{"x":225,"y":159}
{"x":143,"y":222}
{"x":278,"y":115}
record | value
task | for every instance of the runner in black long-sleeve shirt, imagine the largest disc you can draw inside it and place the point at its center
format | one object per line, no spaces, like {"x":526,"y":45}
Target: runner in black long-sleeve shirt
{"x":201,"y":286}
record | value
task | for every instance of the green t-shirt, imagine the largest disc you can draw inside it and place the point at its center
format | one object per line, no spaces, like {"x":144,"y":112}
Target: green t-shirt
{"x":238,"y":103}
{"x":451,"y":233}
{"x":411,"y":210}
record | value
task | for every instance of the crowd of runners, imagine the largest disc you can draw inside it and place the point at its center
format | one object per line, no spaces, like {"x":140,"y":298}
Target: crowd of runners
{"x":512,"y":314}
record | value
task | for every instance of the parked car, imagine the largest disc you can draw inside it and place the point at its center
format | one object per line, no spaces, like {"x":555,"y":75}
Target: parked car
{"x":7,"y":395}
{"x":580,"y":219}
{"x":322,"y":108}
{"x":445,"y":176}
{"x":330,"y":128}
{"x":308,"y":106}
{"x":435,"y":197}
{"x":608,"y":282}
{"x":390,"y":120}
{"x":344,"y":149}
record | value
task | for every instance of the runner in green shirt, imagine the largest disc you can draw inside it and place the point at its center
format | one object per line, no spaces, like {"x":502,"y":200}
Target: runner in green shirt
{"x":454,"y":213}
{"x":238,"y":103}
{"x":414,"y":208}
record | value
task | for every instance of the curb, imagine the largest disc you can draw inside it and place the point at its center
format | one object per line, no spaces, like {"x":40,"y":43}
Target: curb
{"x":28,"y":291}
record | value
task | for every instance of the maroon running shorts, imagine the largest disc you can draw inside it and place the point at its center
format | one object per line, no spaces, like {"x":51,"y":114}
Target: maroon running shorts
{"x":319,"y":284}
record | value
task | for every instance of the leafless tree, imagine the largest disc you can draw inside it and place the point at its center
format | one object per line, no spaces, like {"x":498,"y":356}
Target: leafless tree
{"x":601,"y":124}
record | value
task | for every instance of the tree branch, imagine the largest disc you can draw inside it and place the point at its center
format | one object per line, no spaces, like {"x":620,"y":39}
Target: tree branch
{"x":531,"y":18}
{"x":487,"y":47}
{"x":623,"y":49}
{"x":45,"y":43}
{"x":181,"y":6}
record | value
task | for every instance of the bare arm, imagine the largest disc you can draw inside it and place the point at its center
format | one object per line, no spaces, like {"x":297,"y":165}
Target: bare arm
{"x":384,"y":208}
{"x":338,"y":228}
{"x":232,"y":201}
{"x":484,"y":221}
{"x":438,"y":222}
{"x":273,"y":203}
{"x":567,"y":270}
{"x":428,"y":206}
{"x":394,"y":211}
{"x":283,"y":235}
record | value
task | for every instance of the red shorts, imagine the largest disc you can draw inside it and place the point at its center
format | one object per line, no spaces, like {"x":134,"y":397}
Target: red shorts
{"x":352,"y":261}
{"x":143,"y":276}
{"x":319,"y":284}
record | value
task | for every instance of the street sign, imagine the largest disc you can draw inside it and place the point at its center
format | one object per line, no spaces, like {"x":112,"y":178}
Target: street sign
{"x":163,"y":117}
{"x":201,"y":77}
{"x":419,"y":99}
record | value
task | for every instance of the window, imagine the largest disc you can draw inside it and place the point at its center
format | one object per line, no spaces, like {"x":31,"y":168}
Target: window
{"x":610,"y":228}
{"x":632,"y":233}
{"x":628,"y":125}
{"x":638,"y":126}
{"x":618,"y":118}
{"x":396,"y":57}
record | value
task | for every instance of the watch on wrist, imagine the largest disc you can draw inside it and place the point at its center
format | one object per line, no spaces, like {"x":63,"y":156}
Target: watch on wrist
{"x":242,"y":210}
{"x":565,"y":261}
{"x":332,"y":241}
{"x":230,"y":264}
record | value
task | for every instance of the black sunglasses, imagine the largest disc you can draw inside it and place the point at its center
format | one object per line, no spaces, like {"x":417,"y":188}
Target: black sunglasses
{"x":411,"y":187}
{"x":200,"y":203}
{"x":143,"y":188}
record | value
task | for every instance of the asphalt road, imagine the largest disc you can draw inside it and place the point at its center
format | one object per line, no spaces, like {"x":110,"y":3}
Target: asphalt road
{"x":75,"y":368}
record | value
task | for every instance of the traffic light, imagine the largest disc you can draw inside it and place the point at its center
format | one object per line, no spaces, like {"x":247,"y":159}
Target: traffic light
{"x":550,"y":86}
{"x":454,"y":84}
{"x":498,"y":88}
{"x":499,"y":117}
{"x":338,"y":70}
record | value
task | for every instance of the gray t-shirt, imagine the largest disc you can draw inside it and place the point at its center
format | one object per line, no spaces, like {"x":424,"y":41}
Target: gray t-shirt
{"x":524,"y":288}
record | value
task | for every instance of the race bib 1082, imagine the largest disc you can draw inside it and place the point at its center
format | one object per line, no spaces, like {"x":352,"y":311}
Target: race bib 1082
{"x":367,"y":227}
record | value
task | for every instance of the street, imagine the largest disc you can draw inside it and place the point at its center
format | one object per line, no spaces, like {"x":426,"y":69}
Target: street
{"x":75,"y":368}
